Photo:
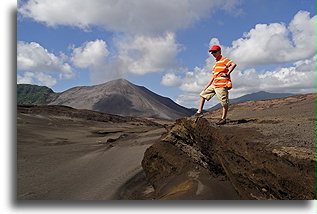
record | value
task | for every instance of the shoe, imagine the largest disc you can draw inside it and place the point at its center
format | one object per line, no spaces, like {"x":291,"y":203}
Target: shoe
{"x":221,"y":122}
{"x":197,"y":114}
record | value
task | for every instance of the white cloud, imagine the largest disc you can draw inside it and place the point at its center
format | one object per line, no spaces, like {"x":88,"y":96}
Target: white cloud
{"x":136,"y":54}
{"x":90,"y":54}
{"x":299,"y":78}
{"x":190,"y":100}
{"x":93,"y":55}
{"x":143,"y":54}
{"x":37,"y":78}
{"x":275,"y":43}
{"x":303,"y":29}
{"x":33,"y":57}
{"x":170,"y":79}
{"x":194,"y":82}
{"x":136,"y":17}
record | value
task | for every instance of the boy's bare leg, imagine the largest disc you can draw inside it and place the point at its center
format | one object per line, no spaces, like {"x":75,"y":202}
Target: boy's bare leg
{"x":225,"y":111}
{"x":201,"y":104}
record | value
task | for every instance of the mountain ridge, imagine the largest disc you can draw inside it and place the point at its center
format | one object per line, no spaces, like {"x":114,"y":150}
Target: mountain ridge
{"x":123,"y":98}
{"x":257,"y":96}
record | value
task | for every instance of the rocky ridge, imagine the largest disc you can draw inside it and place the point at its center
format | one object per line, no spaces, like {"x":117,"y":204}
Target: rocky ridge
{"x":265,"y":151}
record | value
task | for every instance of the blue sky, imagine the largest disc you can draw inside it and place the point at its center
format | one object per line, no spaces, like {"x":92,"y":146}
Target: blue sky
{"x":163,"y":45}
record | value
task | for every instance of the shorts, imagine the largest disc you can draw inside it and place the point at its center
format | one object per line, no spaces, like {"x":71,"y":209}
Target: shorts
{"x":221,"y":92}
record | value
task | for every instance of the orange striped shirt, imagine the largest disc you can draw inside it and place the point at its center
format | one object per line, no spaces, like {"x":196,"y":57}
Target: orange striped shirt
{"x":221,"y":66}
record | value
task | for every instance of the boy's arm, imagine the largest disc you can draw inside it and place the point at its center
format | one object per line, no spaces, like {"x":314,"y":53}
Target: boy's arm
{"x":210,"y":82}
{"x":231,"y":68}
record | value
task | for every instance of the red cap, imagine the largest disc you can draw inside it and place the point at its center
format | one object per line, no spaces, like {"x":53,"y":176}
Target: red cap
{"x":215,"y":48}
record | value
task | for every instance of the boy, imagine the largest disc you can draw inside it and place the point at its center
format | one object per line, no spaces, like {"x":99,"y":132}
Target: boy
{"x":219,"y":84}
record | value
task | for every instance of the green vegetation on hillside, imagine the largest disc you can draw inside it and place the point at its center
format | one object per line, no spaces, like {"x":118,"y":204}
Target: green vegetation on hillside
{"x":34,"y":94}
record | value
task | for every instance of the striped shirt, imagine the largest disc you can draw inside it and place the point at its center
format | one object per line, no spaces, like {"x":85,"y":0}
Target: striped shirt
{"x":221,"y":66}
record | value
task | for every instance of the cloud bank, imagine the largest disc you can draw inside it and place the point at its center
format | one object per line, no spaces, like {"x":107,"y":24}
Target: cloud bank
{"x":276,"y":43}
{"x":141,"y":17}
{"x":148,"y":43}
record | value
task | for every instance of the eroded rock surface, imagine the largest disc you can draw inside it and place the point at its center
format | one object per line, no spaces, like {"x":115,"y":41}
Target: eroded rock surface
{"x":265,"y":151}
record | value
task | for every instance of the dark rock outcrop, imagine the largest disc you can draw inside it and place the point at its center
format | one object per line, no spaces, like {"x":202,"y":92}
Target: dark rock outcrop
{"x":255,"y":157}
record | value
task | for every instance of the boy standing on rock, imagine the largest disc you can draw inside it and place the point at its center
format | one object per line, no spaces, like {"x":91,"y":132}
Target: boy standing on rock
{"x":219,"y":84}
